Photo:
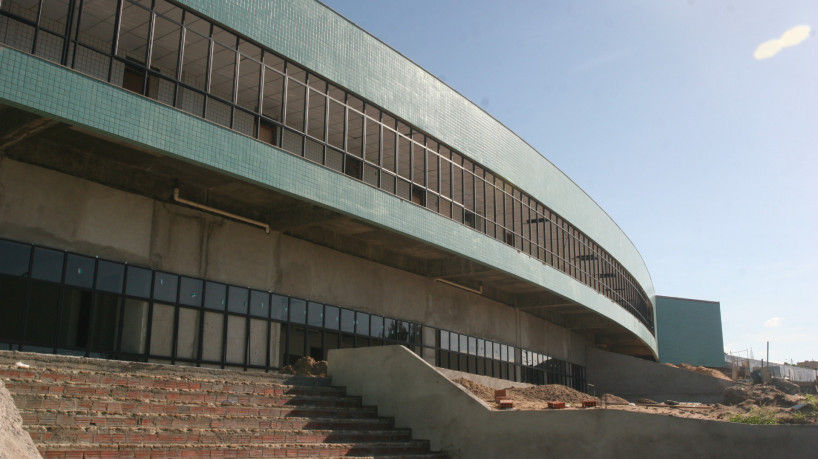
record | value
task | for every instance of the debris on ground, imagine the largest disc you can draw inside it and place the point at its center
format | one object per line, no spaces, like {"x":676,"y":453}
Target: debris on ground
{"x":612,"y":399}
{"x":701,"y":370}
{"x":759,"y":395}
{"x":306,"y":366}
{"x":646,"y":401}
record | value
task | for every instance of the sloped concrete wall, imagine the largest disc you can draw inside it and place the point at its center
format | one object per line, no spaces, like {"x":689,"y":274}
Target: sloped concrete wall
{"x":633,"y":378}
{"x":405,"y":387}
{"x":15,"y":443}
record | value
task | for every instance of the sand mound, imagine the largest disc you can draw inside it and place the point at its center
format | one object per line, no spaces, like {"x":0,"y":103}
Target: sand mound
{"x":529,"y":398}
{"x":612,"y":399}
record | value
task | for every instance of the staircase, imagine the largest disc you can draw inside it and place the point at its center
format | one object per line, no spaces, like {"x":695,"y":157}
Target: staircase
{"x":87,"y":408}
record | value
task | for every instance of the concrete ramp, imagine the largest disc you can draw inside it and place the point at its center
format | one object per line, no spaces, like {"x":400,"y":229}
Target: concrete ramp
{"x":419,"y":397}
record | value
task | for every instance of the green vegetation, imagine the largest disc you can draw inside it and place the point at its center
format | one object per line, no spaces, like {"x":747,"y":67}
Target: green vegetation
{"x":759,"y":416}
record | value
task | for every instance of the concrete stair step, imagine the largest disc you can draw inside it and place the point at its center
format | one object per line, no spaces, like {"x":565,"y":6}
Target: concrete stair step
{"x":81,"y":435}
{"x":137,"y":406}
{"x":41,"y":417}
{"x":414,"y":448}
{"x":19,"y":386}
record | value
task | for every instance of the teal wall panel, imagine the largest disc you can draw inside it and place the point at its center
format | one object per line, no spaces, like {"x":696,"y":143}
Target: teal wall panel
{"x":689,"y":331}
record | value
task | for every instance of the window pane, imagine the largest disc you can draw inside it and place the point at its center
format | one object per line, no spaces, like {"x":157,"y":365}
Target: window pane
{"x":335,"y":134}
{"x":316,"y":116}
{"x":237,"y":300}
{"x":165,"y":49}
{"x":373,"y":140}
{"x":53,"y":15}
{"x":110,"y":276}
{"x":47,"y":265}
{"x":215,"y":296}
{"x":222,"y":72}
{"x":96,"y":27}
{"x":315,"y":314}
{"x":164,"y":287}
{"x":279,"y":307}
{"x":376,"y":327}
{"x":298,"y":311}
{"x":194,"y":67}
{"x":14,"y":259}
{"x":273,"y":90}
{"x":259,"y":303}
{"x":331,"y":317}
{"x":362,"y":323}
{"x":355,"y":131}
{"x":191,"y":291}
{"x":133,"y":33}
{"x":389,"y":149}
{"x":249,"y":74}
{"x":347,"y":321}
{"x":139,"y":282}
{"x":296,"y":95}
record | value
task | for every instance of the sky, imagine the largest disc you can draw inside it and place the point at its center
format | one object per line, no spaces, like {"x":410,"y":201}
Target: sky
{"x":701,"y":143}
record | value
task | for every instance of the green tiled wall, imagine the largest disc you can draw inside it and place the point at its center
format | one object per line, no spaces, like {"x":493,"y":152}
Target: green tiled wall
{"x":312,"y":34}
{"x":689,"y":331}
{"x":40,"y":86}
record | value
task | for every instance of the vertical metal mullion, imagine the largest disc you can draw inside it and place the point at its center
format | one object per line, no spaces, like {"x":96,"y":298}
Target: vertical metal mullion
{"x":224,"y":325}
{"x":175,"y":333}
{"x":115,"y":41}
{"x":121,"y":319}
{"x":67,"y":32}
{"x":60,"y":300}
{"x":149,"y":51}
{"x":208,"y":69}
{"x":180,"y":58}
{"x":259,"y":102}
{"x":200,"y":331}
{"x":93,"y":308}
{"x":27,"y":297}
{"x":234,"y":95}
{"x":247,"y":329}
{"x":77,"y":34}
{"x":36,"y":26}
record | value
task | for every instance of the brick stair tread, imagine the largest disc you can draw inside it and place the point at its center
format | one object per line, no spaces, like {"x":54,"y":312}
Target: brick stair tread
{"x":408,"y":444}
{"x":136,"y":407}
{"x":165,"y":382}
{"x":67,"y":389}
{"x":161,"y":420}
{"x":214,"y":431}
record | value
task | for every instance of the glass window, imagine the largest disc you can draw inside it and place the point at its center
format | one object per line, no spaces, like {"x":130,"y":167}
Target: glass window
{"x":139,"y":282}
{"x":259,"y":303}
{"x":194,"y":65}
{"x":279,"y":307}
{"x":298,"y":311}
{"x":110,"y":276}
{"x":335,"y":131}
{"x":165,"y":49}
{"x":133,"y":33}
{"x":96,"y":27}
{"x":164,"y":287}
{"x":215,"y":296}
{"x":14,"y":261}
{"x":47,"y":265}
{"x":355,"y":133}
{"x":249,"y":75}
{"x":296,"y":96}
{"x":376,"y":326}
{"x":347,"y":321}
{"x":273,"y":90}
{"x":237,"y":299}
{"x":317,"y":115}
{"x":190,"y":292}
{"x":222,"y":72}
{"x":390,"y":330}
{"x":315,"y":314}
{"x":362,"y":323}
{"x":331,"y":317}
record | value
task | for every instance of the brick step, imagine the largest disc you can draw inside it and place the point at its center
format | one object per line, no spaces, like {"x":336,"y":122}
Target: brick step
{"x":27,"y":402}
{"x":20,"y":387}
{"x":74,"y":434}
{"x":271,"y":385}
{"x":414,"y":448}
{"x":70,"y":365}
{"x":178,"y":421}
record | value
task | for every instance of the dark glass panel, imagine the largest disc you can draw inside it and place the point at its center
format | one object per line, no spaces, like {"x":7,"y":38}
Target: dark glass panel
{"x":164,"y":287}
{"x":362,"y":323}
{"x":259,"y":303}
{"x":165,"y":49}
{"x":355,"y":132}
{"x":133,"y":33}
{"x":79,"y":271}
{"x":273,"y":94}
{"x":237,"y":299}
{"x":331,"y":317}
{"x":373,"y":141}
{"x":335,"y":131}
{"x":389,"y":139}
{"x":12,"y":308}
{"x":53,"y":15}
{"x":222,"y":72}
{"x":110,"y":276}
{"x":105,"y":323}
{"x":96,"y":27}
{"x":47,"y":264}
{"x":190,"y":291}
{"x":194,"y":66}
{"x":296,"y":96}
{"x":14,"y":258}
{"x":315,"y":314}
{"x":23,"y":8}
{"x":215,"y":295}
{"x":249,"y":75}
{"x":279,"y":307}
{"x":298,"y":311}
{"x":376,"y":326}
{"x":42,"y":314}
{"x":317,"y":115}
{"x":168,"y":10}
{"x":347,"y":321}
{"x":139,"y":282}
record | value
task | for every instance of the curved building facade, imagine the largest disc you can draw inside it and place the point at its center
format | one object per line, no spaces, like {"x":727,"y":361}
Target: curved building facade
{"x":244,"y":183}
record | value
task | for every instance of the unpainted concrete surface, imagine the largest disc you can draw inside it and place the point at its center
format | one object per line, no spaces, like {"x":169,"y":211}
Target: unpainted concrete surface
{"x":418,"y":396}
{"x":633,"y":378}
{"x":15,"y":443}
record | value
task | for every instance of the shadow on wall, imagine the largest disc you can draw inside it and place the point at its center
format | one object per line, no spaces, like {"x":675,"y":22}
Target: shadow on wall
{"x":419,"y":397}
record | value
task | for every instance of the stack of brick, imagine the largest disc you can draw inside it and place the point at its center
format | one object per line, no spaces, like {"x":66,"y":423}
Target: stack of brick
{"x":175,"y":412}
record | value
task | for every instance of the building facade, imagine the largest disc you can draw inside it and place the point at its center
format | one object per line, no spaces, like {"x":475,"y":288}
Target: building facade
{"x":239,"y":184}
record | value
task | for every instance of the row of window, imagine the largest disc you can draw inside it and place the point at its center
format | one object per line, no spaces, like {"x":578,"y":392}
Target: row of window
{"x":57,"y":301}
{"x":170,"y":54}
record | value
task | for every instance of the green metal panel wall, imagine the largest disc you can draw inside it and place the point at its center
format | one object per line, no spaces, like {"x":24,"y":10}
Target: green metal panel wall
{"x":309,"y":33}
{"x":689,"y":331}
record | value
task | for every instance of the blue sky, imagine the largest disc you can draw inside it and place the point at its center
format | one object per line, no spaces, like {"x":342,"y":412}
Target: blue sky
{"x":705,"y":156}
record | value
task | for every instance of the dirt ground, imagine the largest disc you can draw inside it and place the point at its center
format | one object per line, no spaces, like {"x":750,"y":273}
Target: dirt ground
{"x":757,"y":402}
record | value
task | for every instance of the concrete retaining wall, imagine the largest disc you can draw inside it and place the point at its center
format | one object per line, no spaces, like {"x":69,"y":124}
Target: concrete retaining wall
{"x":405,"y":387}
{"x":632,"y":378}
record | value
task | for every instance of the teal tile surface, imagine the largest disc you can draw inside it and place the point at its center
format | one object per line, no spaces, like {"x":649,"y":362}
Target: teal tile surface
{"x":690,"y":331}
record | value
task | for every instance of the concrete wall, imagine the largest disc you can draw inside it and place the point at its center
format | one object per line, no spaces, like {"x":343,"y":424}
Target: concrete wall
{"x":689,"y":331}
{"x":633,"y":378}
{"x":54,"y":209}
{"x":419,"y":397}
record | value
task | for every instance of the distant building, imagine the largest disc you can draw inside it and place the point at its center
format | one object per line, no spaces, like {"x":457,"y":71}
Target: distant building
{"x":808,"y":364}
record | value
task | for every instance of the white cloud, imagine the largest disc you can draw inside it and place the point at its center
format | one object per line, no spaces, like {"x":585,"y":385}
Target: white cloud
{"x":774,"y":322}
{"x":791,"y":37}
